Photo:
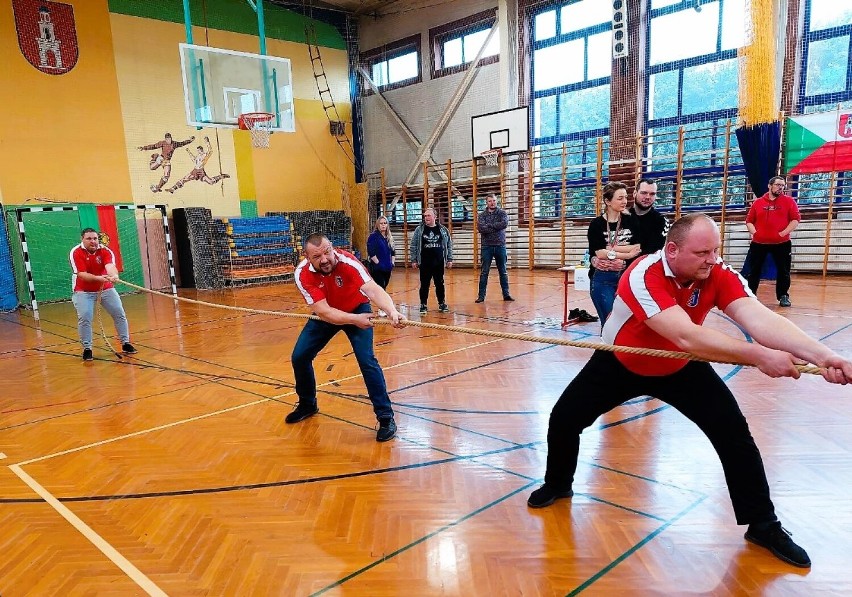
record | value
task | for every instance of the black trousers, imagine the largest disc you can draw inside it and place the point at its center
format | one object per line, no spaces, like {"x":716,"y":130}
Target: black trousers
{"x":429,"y":272}
{"x":782,"y":255}
{"x":696,"y":391}
{"x":381,"y":278}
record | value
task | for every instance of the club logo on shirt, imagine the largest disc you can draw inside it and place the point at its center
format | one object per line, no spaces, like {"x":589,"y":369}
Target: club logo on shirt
{"x":99,"y":260}
{"x":693,"y":298}
{"x":339,"y":281}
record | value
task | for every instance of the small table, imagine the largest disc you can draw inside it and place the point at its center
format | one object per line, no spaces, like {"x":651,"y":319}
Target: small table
{"x":566,"y":270}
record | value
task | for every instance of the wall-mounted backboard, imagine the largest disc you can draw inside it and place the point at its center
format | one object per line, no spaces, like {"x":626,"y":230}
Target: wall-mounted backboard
{"x":508,"y":130}
{"x":219,"y":85}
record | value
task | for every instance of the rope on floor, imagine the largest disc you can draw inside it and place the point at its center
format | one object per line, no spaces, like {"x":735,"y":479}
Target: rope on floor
{"x":648,"y":352}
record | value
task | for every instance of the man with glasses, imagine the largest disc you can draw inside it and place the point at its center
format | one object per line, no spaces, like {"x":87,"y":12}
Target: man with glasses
{"x":770,"y":221}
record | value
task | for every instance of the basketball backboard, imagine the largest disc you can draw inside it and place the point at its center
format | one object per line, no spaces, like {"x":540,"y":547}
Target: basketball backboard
{"x":219,"y":85}
{"x":508,"y":130}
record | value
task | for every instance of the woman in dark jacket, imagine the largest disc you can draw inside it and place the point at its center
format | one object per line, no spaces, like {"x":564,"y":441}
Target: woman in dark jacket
{"x":380,"y":250}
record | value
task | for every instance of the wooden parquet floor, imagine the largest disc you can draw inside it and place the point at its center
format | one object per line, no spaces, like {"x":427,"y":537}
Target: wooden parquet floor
{"x":172,"y":472}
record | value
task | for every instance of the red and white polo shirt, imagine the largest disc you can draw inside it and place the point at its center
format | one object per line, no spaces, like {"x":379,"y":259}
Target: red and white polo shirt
{"x":341,"y":288}
{"x":649,"y":287}
{"x":93,"y":263}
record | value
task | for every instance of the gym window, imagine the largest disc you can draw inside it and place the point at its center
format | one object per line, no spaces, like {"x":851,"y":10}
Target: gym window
{"x":393,"y":65}
{"x":693,"y":84}
{"x":826,"y":51}
{"x":455,"y":45}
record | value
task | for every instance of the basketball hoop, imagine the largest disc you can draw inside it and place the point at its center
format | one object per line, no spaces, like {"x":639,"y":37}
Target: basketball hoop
{"x":259,"y":124}
{"x":492,"y":156}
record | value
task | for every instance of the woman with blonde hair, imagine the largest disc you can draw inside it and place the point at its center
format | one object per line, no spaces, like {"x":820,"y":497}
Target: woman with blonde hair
{"x":380,"y":250}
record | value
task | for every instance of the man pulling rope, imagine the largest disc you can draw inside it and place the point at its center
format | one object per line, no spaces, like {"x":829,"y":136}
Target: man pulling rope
{"x":662,"y":301}
{"x":656,"y":346}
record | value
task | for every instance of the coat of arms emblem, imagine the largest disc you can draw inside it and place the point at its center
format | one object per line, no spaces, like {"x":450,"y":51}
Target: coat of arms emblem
{"x":47,"y":35}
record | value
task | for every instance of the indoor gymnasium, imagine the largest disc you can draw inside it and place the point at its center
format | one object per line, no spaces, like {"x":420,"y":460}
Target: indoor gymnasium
{"x":426,"y":297}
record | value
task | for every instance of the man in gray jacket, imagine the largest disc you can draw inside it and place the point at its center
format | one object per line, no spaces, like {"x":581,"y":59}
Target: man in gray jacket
{"x":492,"y":223}
{"x":431,"y":249}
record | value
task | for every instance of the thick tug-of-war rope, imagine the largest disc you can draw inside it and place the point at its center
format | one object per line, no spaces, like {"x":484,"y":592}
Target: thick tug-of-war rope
{"x":648,"y":352}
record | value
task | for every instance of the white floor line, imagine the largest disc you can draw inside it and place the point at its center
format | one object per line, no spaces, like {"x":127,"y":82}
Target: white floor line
{"x":2,"y":456}
{"x":108,"y":550}
{"x":145,"y":583}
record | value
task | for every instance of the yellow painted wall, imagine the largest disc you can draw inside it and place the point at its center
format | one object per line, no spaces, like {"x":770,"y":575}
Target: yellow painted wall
{"x":300,"y":171}
{"x":74,"y":137}
{"x":61,"y":136}
{"x":152,"y":99}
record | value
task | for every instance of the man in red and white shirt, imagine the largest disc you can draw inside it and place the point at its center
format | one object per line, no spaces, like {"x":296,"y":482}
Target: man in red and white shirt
{"x":339,"y":290}
{"x":94,"y":271}
{"x":662,"y":301}
{"x":770,"y":221}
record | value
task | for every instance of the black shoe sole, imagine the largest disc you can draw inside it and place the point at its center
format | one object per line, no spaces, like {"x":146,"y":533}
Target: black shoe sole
{"x":301,"y":417}
{"x":558,"y":496}
{"x":774,"y":552}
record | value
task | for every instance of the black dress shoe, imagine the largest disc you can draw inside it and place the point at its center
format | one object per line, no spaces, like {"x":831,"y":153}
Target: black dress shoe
{"x":777,"y":540}
{"x":546,"y":495}
{"x":508,"y":298}
{"x":480,"y":300}
{"x":300,"y":413}
{"x":87,"y":354}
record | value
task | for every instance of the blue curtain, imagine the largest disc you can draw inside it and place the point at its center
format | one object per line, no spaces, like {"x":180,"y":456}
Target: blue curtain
{"x":8,"y":293}
{"x":760,"y":146}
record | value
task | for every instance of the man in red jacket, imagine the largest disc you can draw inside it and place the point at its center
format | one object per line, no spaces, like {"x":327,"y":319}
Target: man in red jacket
{"x":770,"y":221}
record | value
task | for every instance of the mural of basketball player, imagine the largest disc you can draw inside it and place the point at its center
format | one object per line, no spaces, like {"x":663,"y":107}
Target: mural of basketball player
{"x":164,"y":158}
{"x":198,"y":172}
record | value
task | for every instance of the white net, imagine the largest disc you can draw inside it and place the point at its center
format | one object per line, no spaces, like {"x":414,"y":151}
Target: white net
{"x":492,"y":157}
{"x":259,"y":125}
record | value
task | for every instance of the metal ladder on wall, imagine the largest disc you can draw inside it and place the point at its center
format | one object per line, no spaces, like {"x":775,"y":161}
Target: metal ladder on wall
{"x":326,"y":97}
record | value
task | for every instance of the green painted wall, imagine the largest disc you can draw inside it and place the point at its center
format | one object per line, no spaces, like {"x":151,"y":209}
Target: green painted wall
{"x":232,"y":15}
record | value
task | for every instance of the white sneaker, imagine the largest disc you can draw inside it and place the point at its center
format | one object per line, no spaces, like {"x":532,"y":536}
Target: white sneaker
{"x":382,"y":313}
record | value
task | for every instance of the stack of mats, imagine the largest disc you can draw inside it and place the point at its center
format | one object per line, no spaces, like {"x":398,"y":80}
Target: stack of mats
{"x":255,"y":249}
{"x":201,"y":239}
{"x":336,"y":225}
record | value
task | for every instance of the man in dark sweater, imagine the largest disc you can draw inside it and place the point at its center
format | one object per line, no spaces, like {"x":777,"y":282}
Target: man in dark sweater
{"x":653,"y":224}
{"x":492,"y":223}
{"x":431,"y":250}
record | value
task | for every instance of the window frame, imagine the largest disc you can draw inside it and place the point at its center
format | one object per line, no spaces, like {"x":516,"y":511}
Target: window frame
{"x":711,"y":118}
{"x":561,"y":38}
{"x":388,"y":52}
{"x":807,"y":38}
{"x":438,"y":36}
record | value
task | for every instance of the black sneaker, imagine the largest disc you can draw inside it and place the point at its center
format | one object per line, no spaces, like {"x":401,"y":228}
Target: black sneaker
{"x":508,"y":298}
{"x":584,"y":315}
{"x":778,"y":540}
{"x":574,"y":314}
{"x":480,"y":299}
{"x":784,"y":301}
{"x":387,"y":429}
{"x":300,"y":413}
{"x":546,"y":495}
{"x":87,"y":354}
{"x":127,"y":348}
{"x":443,"y":308}
{"x":423,"y":309}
